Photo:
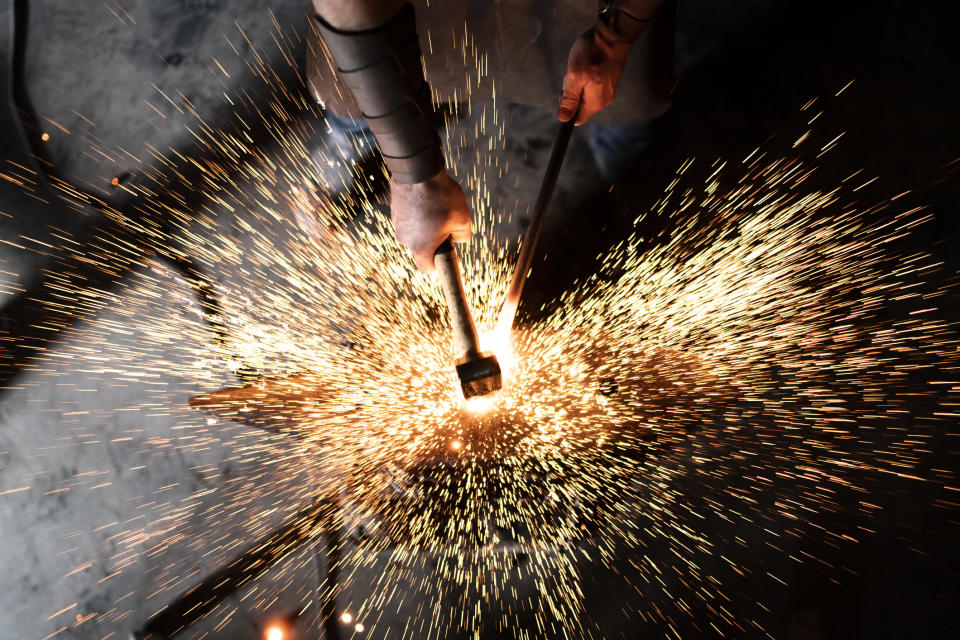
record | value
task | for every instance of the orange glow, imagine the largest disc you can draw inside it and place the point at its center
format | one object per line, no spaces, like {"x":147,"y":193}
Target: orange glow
{"x":500,"y":343}
{"x":346,"y":618}
{"x":274,"y":632}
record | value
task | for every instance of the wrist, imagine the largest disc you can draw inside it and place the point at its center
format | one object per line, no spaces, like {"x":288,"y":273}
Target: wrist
{"x":617,"y":49}
{"x":440,"y":178}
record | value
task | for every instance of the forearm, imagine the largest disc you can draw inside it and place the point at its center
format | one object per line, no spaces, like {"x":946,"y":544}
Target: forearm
{"x":382,"y":67}
{"x":357,"y":14}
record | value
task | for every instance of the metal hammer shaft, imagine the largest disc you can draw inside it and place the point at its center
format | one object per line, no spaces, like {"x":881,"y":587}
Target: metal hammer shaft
{"x":529,"y":245}
{"x":465,"y":337}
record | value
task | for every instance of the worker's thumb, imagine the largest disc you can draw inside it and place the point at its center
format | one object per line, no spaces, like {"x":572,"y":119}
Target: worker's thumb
{"x":570,"y":98}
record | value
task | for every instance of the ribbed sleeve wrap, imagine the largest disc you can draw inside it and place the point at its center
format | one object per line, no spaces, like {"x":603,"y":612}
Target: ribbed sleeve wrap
{"x":383,"y":70}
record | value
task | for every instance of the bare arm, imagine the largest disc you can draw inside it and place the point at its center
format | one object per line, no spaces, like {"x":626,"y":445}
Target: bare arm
{"x":357,"y":14}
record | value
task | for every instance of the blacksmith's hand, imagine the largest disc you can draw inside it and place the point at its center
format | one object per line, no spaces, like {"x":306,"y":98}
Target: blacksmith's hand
{"x":427,"y":213}
{"x":594,"y":68}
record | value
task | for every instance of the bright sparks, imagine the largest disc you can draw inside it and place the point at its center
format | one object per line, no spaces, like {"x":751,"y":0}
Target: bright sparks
{"x":743,"y":369}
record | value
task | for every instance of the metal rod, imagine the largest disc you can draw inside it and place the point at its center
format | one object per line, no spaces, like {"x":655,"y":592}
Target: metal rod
{"x":253,"y":562}
{"x":525,"y":260}
{"x":333,"y":534}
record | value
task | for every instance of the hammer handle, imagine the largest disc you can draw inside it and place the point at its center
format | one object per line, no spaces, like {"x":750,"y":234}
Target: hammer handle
{"x":447,"y":264}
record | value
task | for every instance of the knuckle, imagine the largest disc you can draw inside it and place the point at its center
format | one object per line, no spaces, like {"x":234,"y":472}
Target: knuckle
{"x":574,"y":78}
{"x":597,"y":75}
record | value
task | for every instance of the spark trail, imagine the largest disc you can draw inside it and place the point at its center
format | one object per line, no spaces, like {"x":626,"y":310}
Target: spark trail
{"x":734,"y":379}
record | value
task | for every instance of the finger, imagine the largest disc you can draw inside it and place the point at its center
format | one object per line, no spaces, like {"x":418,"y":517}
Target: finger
{"x":424,"y":259}
{"x":570,"y":96}
{"x":462,"y":231}
{"x":591,"y":104}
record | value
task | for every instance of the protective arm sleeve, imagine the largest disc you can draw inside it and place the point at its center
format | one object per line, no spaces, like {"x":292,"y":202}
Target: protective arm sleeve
{"x":382,"y":68}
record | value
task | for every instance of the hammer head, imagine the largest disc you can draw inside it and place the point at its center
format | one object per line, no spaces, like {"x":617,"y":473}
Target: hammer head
{"x":479,"y":376}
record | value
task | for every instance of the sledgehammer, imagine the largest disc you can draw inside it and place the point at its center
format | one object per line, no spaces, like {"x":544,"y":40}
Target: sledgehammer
{"x":479,"y":372}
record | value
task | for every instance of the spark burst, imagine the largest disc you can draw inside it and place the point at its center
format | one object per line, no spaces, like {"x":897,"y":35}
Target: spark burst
{"x":738,"y":373}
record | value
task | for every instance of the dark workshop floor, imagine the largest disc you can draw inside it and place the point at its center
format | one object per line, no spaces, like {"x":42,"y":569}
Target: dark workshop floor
{"x":95,"y":73}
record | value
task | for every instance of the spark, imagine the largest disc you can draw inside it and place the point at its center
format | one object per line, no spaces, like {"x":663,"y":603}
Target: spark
{"x":740,"y":369}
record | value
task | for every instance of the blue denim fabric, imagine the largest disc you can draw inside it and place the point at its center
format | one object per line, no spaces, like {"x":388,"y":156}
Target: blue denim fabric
{"x":616,"y":148}
{"x":355,"y":127}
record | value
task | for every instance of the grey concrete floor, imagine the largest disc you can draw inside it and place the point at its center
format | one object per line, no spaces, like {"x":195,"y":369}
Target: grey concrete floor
{"x":111,"y":488}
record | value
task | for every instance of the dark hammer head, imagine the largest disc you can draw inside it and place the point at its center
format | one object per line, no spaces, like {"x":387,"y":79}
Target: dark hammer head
{"x":479,"y":376}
